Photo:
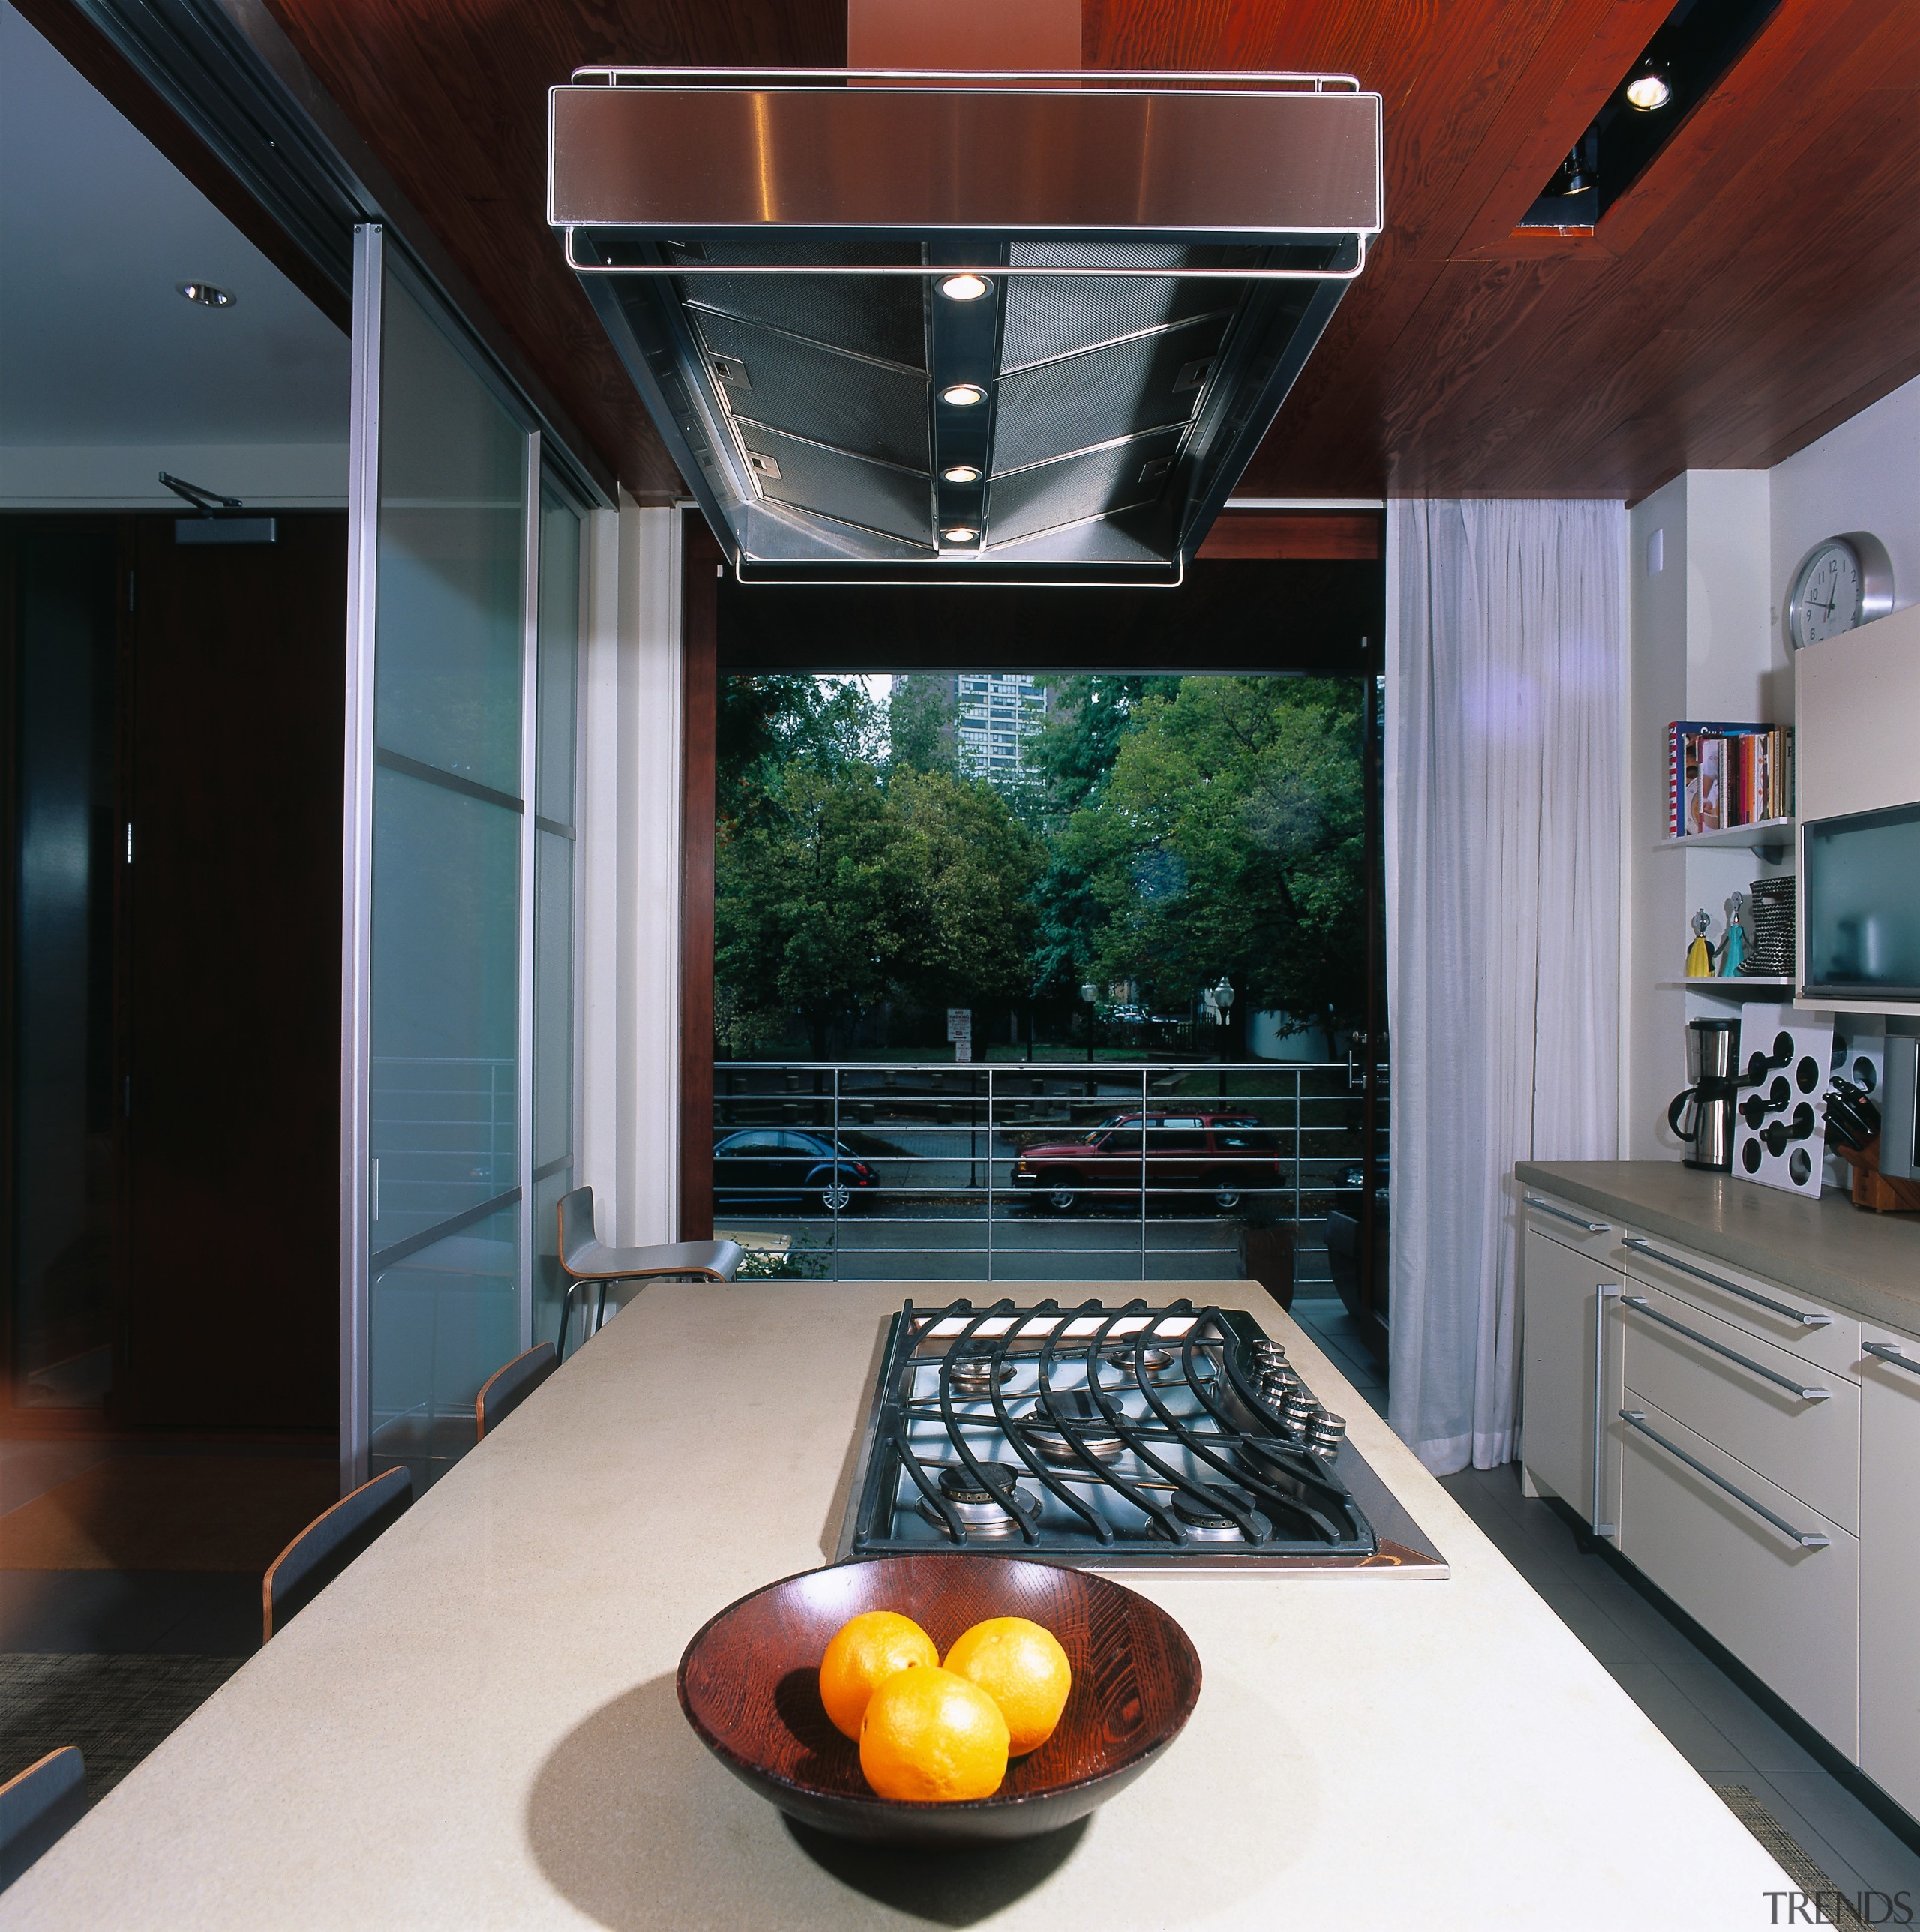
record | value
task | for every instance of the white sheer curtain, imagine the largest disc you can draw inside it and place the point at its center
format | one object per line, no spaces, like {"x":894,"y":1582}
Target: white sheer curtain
{"x":1506,"y":644}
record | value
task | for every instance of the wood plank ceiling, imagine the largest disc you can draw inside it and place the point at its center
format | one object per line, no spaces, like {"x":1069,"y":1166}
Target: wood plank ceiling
{"x":1758,"y":285}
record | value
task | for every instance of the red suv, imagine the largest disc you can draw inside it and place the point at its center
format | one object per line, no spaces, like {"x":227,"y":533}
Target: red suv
{"x":1229,"y":1155}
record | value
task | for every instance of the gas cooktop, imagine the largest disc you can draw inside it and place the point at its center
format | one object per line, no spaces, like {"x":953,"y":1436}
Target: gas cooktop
{"x":1129,"y":1437}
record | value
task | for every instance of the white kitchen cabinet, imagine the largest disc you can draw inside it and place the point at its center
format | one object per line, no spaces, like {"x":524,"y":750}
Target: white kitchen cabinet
{"x":1776,"y":1581}
{"x":1562,"y":1288}
{"x":1775,"y":1411}
{"x":1890,"y":1564}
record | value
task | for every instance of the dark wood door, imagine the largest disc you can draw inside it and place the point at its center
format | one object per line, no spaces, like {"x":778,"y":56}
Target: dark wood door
{"x":230,"y":1259}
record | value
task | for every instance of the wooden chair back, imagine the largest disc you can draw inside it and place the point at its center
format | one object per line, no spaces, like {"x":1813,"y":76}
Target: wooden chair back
{"x":508,"y":1387}
{"x":329,"y":1543}
{"x":38,"y":1807}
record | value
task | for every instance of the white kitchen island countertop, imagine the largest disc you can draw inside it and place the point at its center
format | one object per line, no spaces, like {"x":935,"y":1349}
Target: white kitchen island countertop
{"x":476,"y":1727}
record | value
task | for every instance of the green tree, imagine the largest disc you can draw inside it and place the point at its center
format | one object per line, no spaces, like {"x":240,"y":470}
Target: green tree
{"x":765,"y":723}
{"x":846,"y":889}
{"x":802,"y":918}
{"x":1228,"y":838}
{"x":920,"y":725}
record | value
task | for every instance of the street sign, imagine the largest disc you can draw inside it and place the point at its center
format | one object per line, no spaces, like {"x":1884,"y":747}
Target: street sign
{"x":960,"y":1031}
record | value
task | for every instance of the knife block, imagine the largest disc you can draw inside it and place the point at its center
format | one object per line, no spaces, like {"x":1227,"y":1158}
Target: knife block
{"x":1878,"y":1192}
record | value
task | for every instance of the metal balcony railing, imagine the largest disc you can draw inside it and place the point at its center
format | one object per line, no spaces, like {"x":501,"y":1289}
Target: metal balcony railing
{"x":944,"y":1141}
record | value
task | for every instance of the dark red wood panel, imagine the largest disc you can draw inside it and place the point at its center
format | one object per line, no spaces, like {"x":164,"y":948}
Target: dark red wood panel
{"x":1761,"y":281}
{"x":1331,"y":536}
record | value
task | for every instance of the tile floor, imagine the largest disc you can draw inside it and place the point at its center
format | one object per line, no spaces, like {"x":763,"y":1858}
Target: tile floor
{"x":1338,"y":1334}
{"x":1721,"y":1731}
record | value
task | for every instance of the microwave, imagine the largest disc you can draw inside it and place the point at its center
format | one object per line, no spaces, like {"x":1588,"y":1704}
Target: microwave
{"x":1860,"y":906}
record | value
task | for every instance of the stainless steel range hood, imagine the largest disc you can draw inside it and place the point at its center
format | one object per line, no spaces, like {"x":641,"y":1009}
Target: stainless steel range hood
{"x":934,"y":328}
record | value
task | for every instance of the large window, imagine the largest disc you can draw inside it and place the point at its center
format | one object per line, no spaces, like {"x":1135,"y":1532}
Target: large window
{"x":1044,"y":977}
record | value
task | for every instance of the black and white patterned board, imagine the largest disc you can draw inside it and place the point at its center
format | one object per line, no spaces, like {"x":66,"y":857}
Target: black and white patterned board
{"x":1786,"y":1056}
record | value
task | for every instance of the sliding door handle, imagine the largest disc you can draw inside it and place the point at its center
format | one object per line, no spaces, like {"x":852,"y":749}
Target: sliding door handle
{"x":1640,"y":1304}
{"x":1808,"y":1539}
{"x":1799,"y":1315}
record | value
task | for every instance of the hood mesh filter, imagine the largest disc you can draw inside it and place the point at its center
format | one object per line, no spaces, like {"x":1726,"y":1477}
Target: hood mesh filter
{"x":1047,"y":317}
{"x":875,"y":410}
{"x":883,"y":317}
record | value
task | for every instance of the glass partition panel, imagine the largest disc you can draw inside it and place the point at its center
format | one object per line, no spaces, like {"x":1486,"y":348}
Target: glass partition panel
{"x":439,"y":1310}
{"x":557,"y":685}
{"x":450,"y":639}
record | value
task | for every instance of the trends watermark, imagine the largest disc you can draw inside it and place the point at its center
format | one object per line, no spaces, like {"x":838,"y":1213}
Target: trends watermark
{"x":1840,"y":1908}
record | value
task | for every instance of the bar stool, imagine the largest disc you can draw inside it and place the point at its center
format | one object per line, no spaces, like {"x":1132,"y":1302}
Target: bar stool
{"x":38,"y":1806}
{"x":586,"y":1261}
{"x":506,"y":1389}
{"x":328,"y":1544}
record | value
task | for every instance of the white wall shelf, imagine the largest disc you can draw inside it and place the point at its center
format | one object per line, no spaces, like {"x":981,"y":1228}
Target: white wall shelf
{"x":1740,"y":986}
{"x":1768,"y":837}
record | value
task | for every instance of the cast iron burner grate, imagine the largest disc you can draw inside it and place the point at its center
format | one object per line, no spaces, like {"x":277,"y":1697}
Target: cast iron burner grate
{"x":1128,"y":1436}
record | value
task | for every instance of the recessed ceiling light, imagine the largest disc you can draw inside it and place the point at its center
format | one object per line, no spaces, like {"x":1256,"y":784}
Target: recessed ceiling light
{"x":959,"y":536}
{"x":960,"y":473}
{"x":1649,"y":88}
{"x":962,"y":394}
{"x":205,"y":294}
{"x":965,"y":288}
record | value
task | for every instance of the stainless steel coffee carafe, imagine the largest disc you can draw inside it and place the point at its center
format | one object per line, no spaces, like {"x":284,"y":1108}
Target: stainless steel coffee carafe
{"x":1702,"y":1115}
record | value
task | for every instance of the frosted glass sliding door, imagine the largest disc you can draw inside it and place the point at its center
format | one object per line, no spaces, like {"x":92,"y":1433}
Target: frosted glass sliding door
{"x":456,"y":1119}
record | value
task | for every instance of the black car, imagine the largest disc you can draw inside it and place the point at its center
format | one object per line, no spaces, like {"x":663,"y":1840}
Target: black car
{"x":796,"y":1164}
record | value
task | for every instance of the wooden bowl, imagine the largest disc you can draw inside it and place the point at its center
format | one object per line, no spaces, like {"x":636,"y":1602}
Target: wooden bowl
{"x":749,"y":1684}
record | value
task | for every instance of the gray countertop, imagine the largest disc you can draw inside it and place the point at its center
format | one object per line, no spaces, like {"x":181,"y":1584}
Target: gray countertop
{"x":1867,"y":1264}
{"x":475,"y":1727}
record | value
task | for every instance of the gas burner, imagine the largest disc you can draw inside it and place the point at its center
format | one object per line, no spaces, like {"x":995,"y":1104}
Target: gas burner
{"x":972,"y":1374}
{"x":1155,"y":1363}
{"x":1207,"y":1522}
{"x":1078,"y":1415}
{"x":976,"y":1505}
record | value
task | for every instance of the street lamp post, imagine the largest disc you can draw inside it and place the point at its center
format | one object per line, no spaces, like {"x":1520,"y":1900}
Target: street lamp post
{"x":1223,"y":999}
{"x":1090,"y":993}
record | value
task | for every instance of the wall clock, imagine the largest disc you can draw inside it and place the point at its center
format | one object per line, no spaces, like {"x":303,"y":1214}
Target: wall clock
{"x":1842,"y":582}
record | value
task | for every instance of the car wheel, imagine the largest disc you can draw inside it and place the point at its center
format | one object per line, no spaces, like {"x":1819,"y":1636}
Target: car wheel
{"x":1062,"y":1199}
{"x":835,"y":1196}
{"x":1227,"y":1196}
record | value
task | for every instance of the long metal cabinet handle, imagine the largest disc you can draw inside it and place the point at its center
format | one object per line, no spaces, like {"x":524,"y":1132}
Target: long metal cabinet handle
{"x":1602,"y":1290}
{"x":1799,"y":1314}
{"x":1807,"y":1539}
{"x":1548,"y":1207}
{"x":1887,"y":1352}
{"x":1653,"y":1314}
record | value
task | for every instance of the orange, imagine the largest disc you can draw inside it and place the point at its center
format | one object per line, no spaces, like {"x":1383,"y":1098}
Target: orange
{"x":928,"y":1734}
{"x":1020,"y":1665}
{"x":865,"y":1651}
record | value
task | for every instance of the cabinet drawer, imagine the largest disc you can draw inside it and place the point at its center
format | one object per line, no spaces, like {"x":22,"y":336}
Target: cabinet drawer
{"x":1828,"y":1338}
{"x":1584,"y":1230}
{"x":1809,"y":1448}
{"x":1790,"y":1613}
{"x":1890,"y":1565}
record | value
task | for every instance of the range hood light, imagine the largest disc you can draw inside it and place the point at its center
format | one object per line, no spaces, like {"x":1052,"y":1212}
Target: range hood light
{"x":959,"y":536}
{"x":205,"y":294}
{"x":965,"y":288}
{"x":962,"y":394}
{"x":960,"y":473}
